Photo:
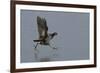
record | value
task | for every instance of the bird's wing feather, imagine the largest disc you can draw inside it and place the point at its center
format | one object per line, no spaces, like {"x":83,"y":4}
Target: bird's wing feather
{"x":42,"y":26}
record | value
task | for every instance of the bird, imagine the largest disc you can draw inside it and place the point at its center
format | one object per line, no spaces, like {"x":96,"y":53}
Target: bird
{"x":44,"y":37}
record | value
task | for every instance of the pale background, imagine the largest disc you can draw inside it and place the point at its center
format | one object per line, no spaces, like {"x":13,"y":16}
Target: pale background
{"x":5,"y":36}
{"x":67,"y":25}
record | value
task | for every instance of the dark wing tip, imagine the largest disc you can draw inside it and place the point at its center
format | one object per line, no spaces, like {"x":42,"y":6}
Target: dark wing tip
{"x":38,"y":17}
{"x":42,"y":26}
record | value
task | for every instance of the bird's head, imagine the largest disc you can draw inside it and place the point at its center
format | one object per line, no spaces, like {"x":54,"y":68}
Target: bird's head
{"x":54,"y":34}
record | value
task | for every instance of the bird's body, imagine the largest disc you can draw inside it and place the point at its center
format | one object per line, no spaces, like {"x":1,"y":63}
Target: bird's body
{"x":44,"y":36}
{"x":47,"y":39}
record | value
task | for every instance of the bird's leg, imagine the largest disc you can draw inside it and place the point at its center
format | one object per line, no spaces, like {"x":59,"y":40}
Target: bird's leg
{"x":36,"y":47}
{"x":54,"y":50}
{"x":36,"y":52}
{"x":52,"y":47}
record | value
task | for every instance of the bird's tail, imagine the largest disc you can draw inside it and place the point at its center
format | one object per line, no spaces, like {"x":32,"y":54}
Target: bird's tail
{"x":37,"y":40}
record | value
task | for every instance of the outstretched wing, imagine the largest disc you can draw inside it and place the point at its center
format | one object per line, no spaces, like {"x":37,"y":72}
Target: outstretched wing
{"x":42,"y":27}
